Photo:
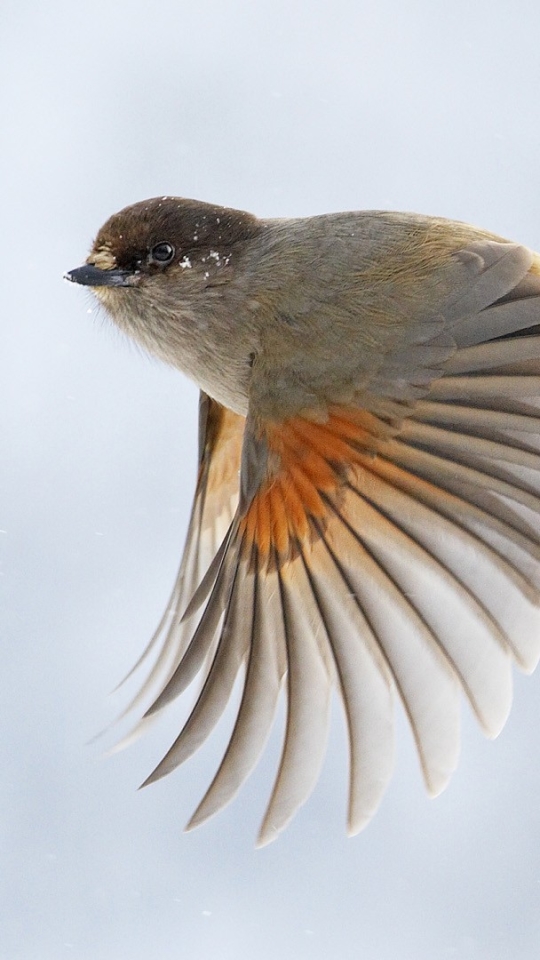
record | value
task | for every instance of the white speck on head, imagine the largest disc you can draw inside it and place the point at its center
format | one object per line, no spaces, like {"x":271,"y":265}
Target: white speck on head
{"x":185,"y":263}
{"x":206,"y":274}
{"x":195,"y":236}
{"x":218,"y":220}
{"x":215,"y":256}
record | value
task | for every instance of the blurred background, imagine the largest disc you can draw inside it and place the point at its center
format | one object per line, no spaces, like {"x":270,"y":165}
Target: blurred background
{"x":286,"y":107}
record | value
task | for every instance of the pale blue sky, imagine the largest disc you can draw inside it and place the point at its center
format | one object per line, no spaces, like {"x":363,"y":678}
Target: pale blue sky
{"x":282,"y":108}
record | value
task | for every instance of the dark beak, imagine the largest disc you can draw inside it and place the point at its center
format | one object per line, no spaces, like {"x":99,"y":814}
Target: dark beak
{"x":91,"y":276}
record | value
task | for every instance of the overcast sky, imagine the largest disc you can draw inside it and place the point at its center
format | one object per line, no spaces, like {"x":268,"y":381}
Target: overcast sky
{"x":286,"y":107}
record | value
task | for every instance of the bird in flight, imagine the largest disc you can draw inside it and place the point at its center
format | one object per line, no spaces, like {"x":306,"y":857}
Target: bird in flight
{"x":367,"y":510}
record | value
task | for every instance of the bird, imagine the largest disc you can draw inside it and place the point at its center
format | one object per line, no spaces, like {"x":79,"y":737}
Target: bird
{"x":366,"y":518}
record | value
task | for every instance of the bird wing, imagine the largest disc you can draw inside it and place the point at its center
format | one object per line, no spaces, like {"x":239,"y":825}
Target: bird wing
{"x":214,"y":506}
{"x":389,"y":547}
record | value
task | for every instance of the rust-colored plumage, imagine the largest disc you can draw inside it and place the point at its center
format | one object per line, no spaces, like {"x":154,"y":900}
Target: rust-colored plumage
{"x":310,"y":465}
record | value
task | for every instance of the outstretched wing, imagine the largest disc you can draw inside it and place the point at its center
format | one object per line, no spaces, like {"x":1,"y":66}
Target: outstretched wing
{"x":380,"y":550}
{"x":214,"y":506}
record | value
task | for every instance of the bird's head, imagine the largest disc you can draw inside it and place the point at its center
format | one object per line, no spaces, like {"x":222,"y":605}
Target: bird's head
{"x":164,"y":242}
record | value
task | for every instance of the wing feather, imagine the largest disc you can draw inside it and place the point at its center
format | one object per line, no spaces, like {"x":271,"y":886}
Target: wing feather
{"x":230,"y":652}
{"x":424,"y":554}
{"x":308,"y":703}
{"x":214,"y":505}
{"x":423,"y":675}
{"x":264,"y":672}
{"x":365,"y":684}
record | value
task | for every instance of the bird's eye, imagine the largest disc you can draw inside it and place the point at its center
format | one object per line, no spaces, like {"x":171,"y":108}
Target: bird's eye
{"x":162,"y":252}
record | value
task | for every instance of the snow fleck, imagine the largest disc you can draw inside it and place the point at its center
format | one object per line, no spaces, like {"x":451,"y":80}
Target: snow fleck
{"x":218,"y":220}
{"x":215,"y":256}
{"x":185,"y":263}
{"x":206,"y":274}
